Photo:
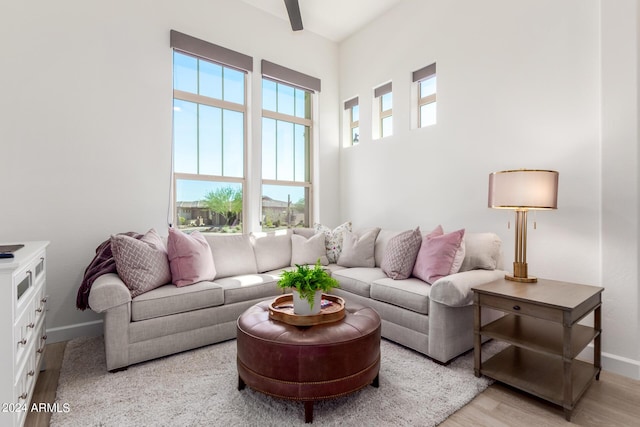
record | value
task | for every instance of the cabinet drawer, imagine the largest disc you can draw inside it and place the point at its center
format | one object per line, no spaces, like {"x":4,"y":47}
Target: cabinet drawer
{"x":523,"y":308}
{"x":24,"y":329}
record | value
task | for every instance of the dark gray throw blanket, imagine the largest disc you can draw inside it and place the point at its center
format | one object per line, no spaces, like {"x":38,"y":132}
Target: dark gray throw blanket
{"x":102,"y":263}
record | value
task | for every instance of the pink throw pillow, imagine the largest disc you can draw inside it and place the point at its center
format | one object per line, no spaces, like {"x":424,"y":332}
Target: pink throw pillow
{"x":190,"y":258}
{"x":437,"y":255}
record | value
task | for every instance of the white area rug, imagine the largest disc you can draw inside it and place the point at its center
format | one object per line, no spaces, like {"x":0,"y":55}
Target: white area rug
{"x":199,"y":388}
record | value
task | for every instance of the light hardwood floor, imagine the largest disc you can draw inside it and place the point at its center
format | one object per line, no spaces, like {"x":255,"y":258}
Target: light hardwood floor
{"x":612,"y":401}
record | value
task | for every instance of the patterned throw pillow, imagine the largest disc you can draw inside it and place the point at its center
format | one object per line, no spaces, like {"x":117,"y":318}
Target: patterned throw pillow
{"x":333,"y":239}
{"x":141,"y":264}
{"x":401,"y":253}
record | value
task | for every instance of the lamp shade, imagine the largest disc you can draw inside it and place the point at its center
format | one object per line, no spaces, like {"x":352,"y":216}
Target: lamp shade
{"x":523,"y":189}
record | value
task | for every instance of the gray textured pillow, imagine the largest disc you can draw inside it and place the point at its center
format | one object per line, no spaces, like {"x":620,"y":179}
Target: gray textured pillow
{"x":400,"y":254}
{"x":308,"y":251}
{"x":358,"y":249}
{"x":141,"y":264}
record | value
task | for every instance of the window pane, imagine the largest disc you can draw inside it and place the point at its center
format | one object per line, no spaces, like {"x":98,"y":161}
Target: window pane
{"x":210,"y":79}
{"x":185,"y":136}
{"x":185,"y":73}
{"x":355,"y":135}
{"x":233,"y":143}
{"x":233,"y":86}
{"x":428,"y":114}
{"x":209,"y":206}
{"x":210,"y":135}
{"x":268,"y":148}
{"x":285,"y":99}
{"x":428,"y":87}
{"x":387,"y":126}
{"x":269,"y":95}
{"x":303,"y":104}
{"x":387,"y":101}
{"x":301,"y":149}
{"x":284,"y":206}
{"x":355,"y":113}
{"x":285,"y":150}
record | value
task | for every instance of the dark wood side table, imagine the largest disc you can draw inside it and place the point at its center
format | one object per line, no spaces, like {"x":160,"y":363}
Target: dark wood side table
{"x":540,"y":323}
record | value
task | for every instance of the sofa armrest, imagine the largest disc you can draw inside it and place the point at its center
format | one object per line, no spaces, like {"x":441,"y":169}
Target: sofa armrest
{"x":108,"y":291}
{"x":455,"y":290}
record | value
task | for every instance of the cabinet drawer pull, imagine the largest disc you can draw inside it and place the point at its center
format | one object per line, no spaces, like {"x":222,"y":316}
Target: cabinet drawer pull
{"x":44,"y":337}
{"x":31,"y":373}
{"x":516,"y":307}
{"x":44,"y":299}
{"x":23,"y":341}
{"x":31,"y":325}
{"x":39,"y":310}
{"x":40,"y":350}
{"x":23,"y":396}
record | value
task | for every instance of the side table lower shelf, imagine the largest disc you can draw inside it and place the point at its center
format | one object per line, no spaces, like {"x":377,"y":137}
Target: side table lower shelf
{"x":539,"y":374}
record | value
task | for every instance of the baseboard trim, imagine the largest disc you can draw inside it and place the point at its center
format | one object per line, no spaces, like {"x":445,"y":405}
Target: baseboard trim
{"x":66,"y":333}
{"x":613,"y":363}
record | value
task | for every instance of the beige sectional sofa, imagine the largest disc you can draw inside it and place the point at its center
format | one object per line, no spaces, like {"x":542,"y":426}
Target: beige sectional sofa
{"x":436,"y":319}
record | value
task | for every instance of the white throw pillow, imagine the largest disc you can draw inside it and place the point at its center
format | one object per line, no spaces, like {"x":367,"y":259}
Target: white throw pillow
{"x":308,"y":251}
{"x":358,"y":249}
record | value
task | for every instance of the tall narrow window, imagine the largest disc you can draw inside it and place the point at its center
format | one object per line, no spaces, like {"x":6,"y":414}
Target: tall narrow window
{"x":287,"y":129}
{"x":209,"y":138}
{"x":383,"y":96}
{"x":425,"y":79}
{"x":352,"y":109}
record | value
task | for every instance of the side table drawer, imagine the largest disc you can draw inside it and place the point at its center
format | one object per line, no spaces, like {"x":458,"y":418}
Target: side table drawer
{"x":524,"y":308}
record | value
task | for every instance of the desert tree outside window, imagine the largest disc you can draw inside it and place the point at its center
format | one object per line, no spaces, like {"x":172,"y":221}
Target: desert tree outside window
{"x":424,"y":80}
{"x":352,"y":109}
{"x":383,"y":106}
{"x":287,"y":144}
{"x":209,"y":135}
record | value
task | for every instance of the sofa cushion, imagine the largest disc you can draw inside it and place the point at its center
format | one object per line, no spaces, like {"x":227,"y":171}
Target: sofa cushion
{"x":249,"y":287}
{"x":272,"y":250}
{"x":189,"y":257}
{"x":308,"y":251}
{"x":482,"y":251}
{"x":400,"y":255}
{"x":412,"y":293}
{"x":358,"y":280}
{"x":358,"y":249}
{"x":437,"y":255}
{"x":169,"y":299}
{"x":141,"y":264}
{"x":232,"y":254}
{"x":333,"y":239}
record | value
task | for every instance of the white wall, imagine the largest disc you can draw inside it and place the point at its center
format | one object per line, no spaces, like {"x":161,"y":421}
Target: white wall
{"x":519,"y":86}
{"x":85,"y":120}
{"x":620,"y":161}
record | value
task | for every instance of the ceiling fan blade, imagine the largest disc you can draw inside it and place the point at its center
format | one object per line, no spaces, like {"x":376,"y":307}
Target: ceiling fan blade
{"x":293,"y":9}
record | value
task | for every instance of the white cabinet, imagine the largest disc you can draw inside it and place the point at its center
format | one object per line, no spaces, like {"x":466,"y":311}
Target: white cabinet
{"x":22,"y":328}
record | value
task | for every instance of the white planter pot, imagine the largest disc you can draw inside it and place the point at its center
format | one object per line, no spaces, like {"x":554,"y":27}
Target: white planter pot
{"x":301,"y":306}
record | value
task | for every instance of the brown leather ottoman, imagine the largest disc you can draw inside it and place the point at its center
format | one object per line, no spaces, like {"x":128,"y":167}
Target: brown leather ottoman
{"x":308,"y":363}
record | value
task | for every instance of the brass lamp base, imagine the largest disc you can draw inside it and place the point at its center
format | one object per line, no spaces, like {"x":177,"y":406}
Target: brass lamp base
{"x":520,"y":274}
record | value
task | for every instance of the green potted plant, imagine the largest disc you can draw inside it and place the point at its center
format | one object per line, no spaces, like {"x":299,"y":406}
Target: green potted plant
{"x":307,"y":285}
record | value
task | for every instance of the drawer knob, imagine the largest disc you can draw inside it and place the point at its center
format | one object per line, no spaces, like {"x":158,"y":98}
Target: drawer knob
{"x":44,"y":299}
{"x":23,"y":396}
{"x":40,"y":350}
{"x":39,"y":310}
{"x":31,"y":325}
{"x":31,"y":373}
{"x":44,"y":337}
{"x":23,"y":341}
{"x":516,"y":307}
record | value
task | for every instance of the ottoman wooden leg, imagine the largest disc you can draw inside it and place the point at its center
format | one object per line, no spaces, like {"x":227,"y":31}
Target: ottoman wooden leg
{"x":376,"y":381}
{"x":241,"y":383}
{"x":308,"y":411}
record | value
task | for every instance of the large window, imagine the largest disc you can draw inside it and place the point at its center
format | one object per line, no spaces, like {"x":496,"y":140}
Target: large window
{"x":209,"y":140}
{"x":425,"y":80}
{"x":383,"y":99}
{"x":287,"y":128}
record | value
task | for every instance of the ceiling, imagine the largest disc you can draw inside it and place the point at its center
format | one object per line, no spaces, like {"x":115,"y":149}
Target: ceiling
{"x":333,"y":19}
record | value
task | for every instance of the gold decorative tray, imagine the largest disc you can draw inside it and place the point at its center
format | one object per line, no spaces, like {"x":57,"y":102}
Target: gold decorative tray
{"x":281,"y":309}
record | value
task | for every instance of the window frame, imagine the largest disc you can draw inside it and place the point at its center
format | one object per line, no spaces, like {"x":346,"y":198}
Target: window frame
{"x":353,"y":124}
{"x":379,"y":93}
{"x":419,"y":77}
{"x":227,"y":59}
